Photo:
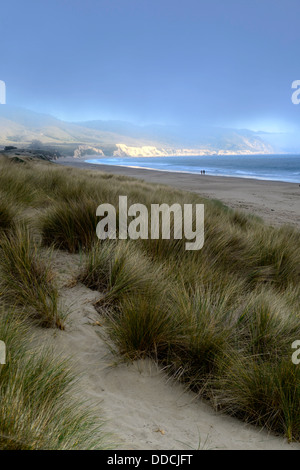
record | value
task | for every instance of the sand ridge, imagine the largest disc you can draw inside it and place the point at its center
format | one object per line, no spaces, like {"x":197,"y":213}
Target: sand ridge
{"x":143,"y":407}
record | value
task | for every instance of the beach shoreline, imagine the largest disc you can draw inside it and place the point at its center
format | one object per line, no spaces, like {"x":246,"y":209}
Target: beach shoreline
{"x":276,"y":202}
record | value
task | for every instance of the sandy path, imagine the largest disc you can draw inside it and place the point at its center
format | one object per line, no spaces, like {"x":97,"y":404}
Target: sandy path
{"x":276,"y":202}
{"x":144,"y":409}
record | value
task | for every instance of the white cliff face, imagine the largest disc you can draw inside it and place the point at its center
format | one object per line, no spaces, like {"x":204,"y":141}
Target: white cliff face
{"x":249,"y":148}
{"x":145,"y":151}
{"x":83,"y":150}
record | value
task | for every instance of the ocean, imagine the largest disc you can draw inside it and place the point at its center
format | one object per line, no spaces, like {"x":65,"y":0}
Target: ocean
{"x":262,"y":167}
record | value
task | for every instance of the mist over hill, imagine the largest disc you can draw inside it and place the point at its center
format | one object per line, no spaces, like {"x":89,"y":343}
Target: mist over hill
{"x":19,"y":126}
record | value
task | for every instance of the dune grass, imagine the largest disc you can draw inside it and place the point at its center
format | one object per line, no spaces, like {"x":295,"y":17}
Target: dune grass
{"x":222,"y":320}
{"x":7,"y":215}
{"x":26,"y":279}
{"x":142,"y":329}
{"x":267,"y":327}
{"x":120,"y":270}
{"x":70,"y":225}
{"x":38,"y":408}
{"x":265,"y":393}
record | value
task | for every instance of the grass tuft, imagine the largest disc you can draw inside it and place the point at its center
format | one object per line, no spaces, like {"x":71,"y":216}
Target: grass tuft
{"x":7,"y":216}
{"x":263,"y":393}
{"x":26,"y":279}
{"x":120,"y":270}
{"x":70,"y":225}
{"x":38,"y":408}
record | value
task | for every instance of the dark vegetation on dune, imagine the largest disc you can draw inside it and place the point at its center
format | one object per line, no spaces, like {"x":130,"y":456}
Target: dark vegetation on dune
{"x":222,"y":320}
{"x":38,"y":405}
{"x":38,"y":410}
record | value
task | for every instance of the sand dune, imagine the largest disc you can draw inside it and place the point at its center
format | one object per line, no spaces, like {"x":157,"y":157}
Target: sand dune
{"x":143,"y":407}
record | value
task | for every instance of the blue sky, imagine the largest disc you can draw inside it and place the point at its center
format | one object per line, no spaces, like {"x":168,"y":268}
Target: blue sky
{"x":215,"y":62}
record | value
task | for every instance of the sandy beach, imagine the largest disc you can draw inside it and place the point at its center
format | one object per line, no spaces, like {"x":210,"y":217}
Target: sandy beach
{"x":276,"y":202}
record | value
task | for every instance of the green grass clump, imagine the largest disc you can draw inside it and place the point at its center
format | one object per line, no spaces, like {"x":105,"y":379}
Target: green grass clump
{"x":120,"y":270}
{"x":70,"y":225}
{"x":207,"y":326}
{"x":143,"y":329}
{"x":262,"y":393}
{"x":38,"y":408}
{"x":7,"y":215}
{"x":267,"y":327}
{"x":16,"y":183}
{"x":186,"y":333}
{"x":26,"y":279}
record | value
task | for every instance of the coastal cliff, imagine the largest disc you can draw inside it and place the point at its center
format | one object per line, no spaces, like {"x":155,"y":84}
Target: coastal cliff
{"x":152,"y":151}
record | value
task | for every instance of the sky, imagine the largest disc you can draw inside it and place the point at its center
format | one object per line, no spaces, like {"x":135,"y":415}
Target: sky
{"x":190,"y":62}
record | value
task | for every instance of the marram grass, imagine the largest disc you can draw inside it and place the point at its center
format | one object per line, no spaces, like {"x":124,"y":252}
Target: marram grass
{"x":38,"y":408}
{"x":26,"y":279}
{"x":222,"y":320}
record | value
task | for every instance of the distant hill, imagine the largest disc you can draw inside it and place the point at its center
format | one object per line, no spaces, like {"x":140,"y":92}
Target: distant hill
{"x":20,"y":127}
